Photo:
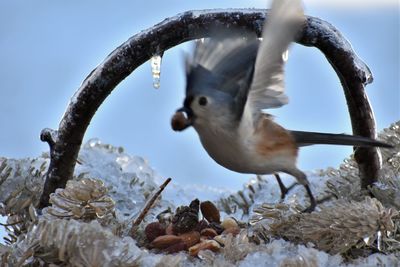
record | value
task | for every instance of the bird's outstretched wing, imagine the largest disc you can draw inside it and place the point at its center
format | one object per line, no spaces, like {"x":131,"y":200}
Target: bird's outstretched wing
{"x":268,"y":89}
{"x":224,"y":64}
{"x":226,"y":58}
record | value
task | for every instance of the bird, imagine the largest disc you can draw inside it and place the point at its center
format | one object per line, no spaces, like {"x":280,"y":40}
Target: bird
{"x":231,"y":79}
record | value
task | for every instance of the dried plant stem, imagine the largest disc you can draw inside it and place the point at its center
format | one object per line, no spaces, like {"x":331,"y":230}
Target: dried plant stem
{"x":11,"y":224}
{"x":29,"y":253}
{"x":148,"y":206}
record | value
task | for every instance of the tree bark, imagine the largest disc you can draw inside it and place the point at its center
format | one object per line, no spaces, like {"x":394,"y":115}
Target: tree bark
{"x":353,"y":74}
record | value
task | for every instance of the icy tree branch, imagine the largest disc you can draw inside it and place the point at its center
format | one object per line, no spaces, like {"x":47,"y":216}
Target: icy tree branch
{"x":66,"y":142}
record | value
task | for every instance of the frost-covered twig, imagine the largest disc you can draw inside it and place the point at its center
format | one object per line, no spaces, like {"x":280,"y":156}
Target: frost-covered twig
{"x":148,"y":206}
{"x":353,"y":73}
{"x":338,"y":228}
{"x":83,"y":228}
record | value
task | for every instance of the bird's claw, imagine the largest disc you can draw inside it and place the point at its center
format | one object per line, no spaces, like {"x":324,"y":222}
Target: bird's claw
{"x":284,"y":190}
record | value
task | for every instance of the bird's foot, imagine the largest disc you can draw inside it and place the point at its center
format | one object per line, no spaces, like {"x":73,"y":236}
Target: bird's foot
{"x":284,"y":190}
{"x":310,"y":208}
{"x":313,"y":202}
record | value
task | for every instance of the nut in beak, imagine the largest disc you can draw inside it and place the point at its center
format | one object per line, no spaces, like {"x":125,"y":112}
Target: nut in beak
{"x":179,"y":121}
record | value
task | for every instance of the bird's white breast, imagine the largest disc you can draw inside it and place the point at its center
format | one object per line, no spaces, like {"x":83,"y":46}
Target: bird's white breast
{"x":236,"y":150}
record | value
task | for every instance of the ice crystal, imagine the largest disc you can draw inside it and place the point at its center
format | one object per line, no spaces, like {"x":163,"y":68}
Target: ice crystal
{"x":73,"y":243}
{"x":239,"y":204}
{"x":345,"y":182}
{"x":109,"y":183}
{"x":129,"y":179}
{"x":336,"y":228}
{"x":84,"y":199}
{"x":21,"y":182}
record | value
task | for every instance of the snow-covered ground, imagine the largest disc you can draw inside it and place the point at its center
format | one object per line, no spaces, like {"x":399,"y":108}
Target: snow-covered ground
{"x":131,"y":181}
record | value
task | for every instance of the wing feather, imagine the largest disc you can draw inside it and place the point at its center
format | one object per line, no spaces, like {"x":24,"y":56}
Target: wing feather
{"x":224,"y":63}
{"x":268,"y":89}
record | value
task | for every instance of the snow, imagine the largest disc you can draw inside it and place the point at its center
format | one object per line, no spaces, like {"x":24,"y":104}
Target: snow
{"x":198,"y":13}
{"x":131,"y":181}
{"x":116,"y":168}
{"x":282,"y":253}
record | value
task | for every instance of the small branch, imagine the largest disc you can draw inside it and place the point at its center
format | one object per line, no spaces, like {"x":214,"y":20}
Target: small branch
{"x":49,"y":136}
{"x":352,"y":72}
{"x":10,"y":224}
{"x":148,"y":206}
{"x":26,"y":255}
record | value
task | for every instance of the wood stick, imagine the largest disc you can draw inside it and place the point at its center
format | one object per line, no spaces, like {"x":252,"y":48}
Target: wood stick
{"x":148,"y":206}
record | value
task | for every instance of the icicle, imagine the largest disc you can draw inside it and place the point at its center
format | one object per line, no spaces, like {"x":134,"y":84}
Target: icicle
{"x":285,"y":56}
{"x":379,"y":241}
{"x":156,"y":70}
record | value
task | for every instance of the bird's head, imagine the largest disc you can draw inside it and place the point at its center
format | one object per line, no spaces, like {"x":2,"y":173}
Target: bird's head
{"x":204,"y":104}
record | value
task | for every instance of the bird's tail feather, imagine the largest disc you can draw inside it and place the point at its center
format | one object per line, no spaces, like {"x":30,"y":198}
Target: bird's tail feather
{"x":313,"y":138}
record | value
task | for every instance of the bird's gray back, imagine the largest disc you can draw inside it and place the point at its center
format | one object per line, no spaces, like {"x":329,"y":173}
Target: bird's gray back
{"x":223,"y":65}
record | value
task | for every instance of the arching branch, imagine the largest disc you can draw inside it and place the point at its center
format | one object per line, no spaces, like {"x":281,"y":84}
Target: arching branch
{"x":66,"y":142}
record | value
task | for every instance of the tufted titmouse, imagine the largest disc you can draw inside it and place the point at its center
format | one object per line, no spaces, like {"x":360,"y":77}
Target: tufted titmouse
{"x":230,"y":80}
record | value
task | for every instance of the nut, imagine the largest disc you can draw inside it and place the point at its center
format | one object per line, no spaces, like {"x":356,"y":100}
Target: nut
{"x":179,"y":122}
{"x":210,"y":211}
{"x":204,"y":238}
{"x":201,"y":225}
{"x":165,"y":241}
{"x":204,"y":245}
{"x":169,"y":230}
{"x":190,"y":238}
{"x":153,"y":230}
{"x":208,"y":232}
{"x":228,"y":223}
{"x":180,"y":246}
{"x":195,"y":205}
{"x":217,"y":227}
{"x":233,"y":230}
{"x":220,"y":239}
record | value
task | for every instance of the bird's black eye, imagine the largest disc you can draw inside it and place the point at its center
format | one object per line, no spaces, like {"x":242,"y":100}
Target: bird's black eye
{"x":202,"y":101}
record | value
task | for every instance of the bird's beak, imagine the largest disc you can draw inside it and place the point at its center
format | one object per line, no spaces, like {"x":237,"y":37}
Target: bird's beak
{"x":182,"y":119}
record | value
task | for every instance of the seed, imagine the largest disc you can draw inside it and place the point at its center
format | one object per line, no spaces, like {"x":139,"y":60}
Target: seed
{"x":170,"y":229}
{"x":233,"y":230}
{"x":165,"y":241}
{"x":201,"y":225}
{"x":180,"y":246}
{"x":190,"y":238}
{"x":204,"y":245}
{"x":228,"y":223}
{"x":210,"y":211}
{"x":154,"y":230}
{"x":208,"y":232}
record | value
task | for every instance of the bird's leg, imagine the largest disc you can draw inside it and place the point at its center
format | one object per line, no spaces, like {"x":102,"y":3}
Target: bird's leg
{"x":302,"y":179}
{"x":313,"y":202}
{"x":284,"y":189}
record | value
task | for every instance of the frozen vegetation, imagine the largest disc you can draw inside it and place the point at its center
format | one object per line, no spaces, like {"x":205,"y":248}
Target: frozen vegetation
{"x":89,"y":222}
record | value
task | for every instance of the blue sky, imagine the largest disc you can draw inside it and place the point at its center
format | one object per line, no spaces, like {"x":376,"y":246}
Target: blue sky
{"x":48,"y":47}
